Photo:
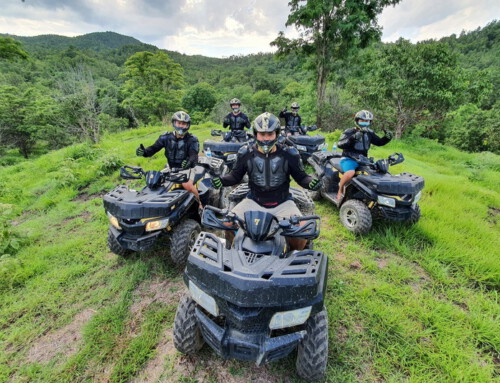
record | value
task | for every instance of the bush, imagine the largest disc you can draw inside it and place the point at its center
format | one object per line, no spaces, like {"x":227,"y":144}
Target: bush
{"x":108,"y":164}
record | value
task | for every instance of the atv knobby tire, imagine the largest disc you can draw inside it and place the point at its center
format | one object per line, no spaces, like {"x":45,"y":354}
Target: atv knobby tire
{"x":312,"y":353}
{"x":182,"y":239}
{"x":115,"y":246}
{"x":415,"y":214}
{"x":187,"y":333}
{"x":315,"y":195}
{"x":356,"y":216}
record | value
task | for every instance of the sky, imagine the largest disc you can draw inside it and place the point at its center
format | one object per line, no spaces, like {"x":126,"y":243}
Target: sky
{"x":221,"y":28}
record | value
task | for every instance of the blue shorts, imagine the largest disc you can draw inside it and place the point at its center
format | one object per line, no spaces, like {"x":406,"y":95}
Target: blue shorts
{"x":348,"y":164}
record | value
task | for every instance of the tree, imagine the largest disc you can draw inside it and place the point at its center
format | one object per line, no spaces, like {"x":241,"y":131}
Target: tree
{"x":409,"y":83}
{"x":262,"y":101}
{"x":153,"y":87}
{"x":199,"y":98}
{"x":11,"y":49}
{"x":330,"y":30}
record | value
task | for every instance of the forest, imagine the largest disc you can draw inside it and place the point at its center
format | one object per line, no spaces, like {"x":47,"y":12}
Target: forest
{"x":60,"y":90}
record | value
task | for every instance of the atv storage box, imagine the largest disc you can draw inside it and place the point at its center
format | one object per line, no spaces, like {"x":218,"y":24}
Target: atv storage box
{"x":308,"y":140}
{"x":221,"y":147}
{"x":393,"y":184}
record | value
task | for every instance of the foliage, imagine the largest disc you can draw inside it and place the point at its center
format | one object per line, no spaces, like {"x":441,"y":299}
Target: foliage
{"x":200,"y":98}
{"x":11,"y":49}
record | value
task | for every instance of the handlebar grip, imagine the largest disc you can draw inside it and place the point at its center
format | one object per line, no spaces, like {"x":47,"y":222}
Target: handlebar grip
{"x":216,"y":209}
{"x":308,"y":217}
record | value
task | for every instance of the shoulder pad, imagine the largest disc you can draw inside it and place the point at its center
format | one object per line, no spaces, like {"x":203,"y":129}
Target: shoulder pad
{"x":291,"y":150}
{"x":192,"y":137}
{"x":165,"y":134}
{"x":369,"y":130}
{"x":350,"y":130}
{"x":244,"y":149}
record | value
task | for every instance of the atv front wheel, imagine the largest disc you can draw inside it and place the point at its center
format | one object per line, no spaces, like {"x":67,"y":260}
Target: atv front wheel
{"x":115,"y":246}
{"x":415,"y":214}
{"x":182,"y":240}
{"x":312,"y":353}
{"x":187,"y":333}
{"x":356,"y":216}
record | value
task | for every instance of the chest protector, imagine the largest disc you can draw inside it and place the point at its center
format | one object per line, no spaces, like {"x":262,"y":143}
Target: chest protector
{"x":268,"y":173}
{"x":292,"y":121}
{"x":236,"y":122}
{"x":364,"y":144}
{"x":176,"y":150}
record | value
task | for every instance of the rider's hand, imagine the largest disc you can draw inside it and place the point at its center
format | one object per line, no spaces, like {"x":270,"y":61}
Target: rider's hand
{"x":284,"y":109}
{"x":388,"y":134}
{"x":140,"y":151}
{"x":185,"y":164}
{"x":315,"y":184}
{"x":216,"y":182}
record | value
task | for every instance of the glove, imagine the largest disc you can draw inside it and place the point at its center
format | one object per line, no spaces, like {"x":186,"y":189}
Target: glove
{"x":140,"y":151}
{"x":284,"y":109}
{"x":315,"y":184}
{"x":216,"y":182}
{"x":185,"y":164}
{"x":388,"y":134}
{"x":358,"y":136}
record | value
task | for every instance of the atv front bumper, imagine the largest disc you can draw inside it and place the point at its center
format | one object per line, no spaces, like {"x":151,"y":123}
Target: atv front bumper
{"x":397,"y":214}
{"x":135,"y":242}
{"x":258,"y":347}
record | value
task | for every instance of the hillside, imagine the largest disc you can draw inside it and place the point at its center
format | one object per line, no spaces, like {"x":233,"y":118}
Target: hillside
{"x":405,"y":303}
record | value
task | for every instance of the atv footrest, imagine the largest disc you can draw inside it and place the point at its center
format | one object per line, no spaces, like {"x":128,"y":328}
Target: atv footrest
{"x":260,"y":348}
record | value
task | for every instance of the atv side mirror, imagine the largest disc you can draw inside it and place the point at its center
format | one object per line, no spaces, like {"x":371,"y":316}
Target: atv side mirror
{"x":131,"y":172}
{"x":312,"y":128}
{"x":396,"y":158}
{"x":216,"y":132}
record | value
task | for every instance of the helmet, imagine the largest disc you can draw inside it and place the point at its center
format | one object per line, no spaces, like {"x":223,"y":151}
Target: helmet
{"x":363,"y":115}
{"x":265,"y":123}
{"x":234,"y":101}
{"x":184,"y":117}
{"x":295,"y":105}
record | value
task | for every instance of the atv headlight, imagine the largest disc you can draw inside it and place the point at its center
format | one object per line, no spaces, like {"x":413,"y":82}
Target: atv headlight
{"x":321,"y":146}
{"x":302,"y":148}
{"x":157,"y":225}
{"x":232,"y":157}
{"x":391,"y":202}
{"x":417,"y":197}
{"x":290,"y":318}
{"x":114,"y":221}
{"x":203,"y":299}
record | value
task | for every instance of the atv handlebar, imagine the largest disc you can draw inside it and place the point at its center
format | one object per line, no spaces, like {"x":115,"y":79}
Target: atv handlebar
{"x":131,"y":172}
{"x":216,"y":132}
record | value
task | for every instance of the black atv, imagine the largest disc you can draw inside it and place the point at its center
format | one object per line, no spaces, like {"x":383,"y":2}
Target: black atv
{"x":304,"y":143}
{"x":372,"y":192}
{"x":227,"y":149}
{"x":161,"y":210}
{"x":256,"y":301}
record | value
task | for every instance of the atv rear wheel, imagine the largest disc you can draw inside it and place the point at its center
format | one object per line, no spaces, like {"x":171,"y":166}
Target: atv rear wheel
{"x":182,"y":239}
{"x":115,"y":246}
{"x":187,"y":332}
{"x":415,"y":214}
{"x":312,"y":353}
{"x":356,"y":216}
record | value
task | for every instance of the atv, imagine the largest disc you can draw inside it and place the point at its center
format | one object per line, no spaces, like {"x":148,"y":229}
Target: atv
{"x":256,"y":301}
{"x":304,"y":143}
{"x":227,"y":149}
{"x":161,"y":210}
{"x":372,"y":193}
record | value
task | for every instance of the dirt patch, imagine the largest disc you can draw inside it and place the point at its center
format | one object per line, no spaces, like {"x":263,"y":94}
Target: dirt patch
{"x":163,"y":291}
{"x":493,"y":214}
{"x":84,"y":197}
{"x":382,"y":262}
{"x":63,"y":341}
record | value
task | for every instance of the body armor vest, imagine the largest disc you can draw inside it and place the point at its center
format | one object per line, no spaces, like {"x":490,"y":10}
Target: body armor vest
{"x":177,"y":151}
{"x":236,"y":122}
{"x":363,"y":145}
{"x":267,"y":173}
{"x":293,"y":122}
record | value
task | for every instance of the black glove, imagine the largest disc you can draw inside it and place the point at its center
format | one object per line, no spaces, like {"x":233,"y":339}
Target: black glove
{"x":388,"y":134}
{"x":185,"y":164}
{"x":216,"y":182}
{"x":140,"y":151}
{"x":315,"y":184}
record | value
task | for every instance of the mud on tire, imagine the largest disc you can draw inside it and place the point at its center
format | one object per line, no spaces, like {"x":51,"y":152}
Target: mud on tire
{"x":356,"y":216}
{"x":115,"y":247}
{"x":415,"y":214}
{"x":312,"y":352}
{"x":182,"y":239}
{"x":187,"y":333}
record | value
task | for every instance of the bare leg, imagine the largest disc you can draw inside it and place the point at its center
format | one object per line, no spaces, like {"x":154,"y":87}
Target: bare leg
{"x":345,"y":178}
{"x":189,"y":186}
{"x":297,"y":243}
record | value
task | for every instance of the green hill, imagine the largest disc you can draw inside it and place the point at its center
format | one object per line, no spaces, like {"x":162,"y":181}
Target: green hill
{"x":405,"y":303}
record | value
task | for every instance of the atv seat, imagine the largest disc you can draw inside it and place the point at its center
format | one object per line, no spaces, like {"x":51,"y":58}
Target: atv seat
{"x":307,"y":140}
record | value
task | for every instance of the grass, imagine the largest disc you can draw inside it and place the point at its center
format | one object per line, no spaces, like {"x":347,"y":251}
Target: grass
{"x":405,"y":303}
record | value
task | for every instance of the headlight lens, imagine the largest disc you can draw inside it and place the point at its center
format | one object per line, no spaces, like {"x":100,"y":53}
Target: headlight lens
{"x":391,"y":202}
{"x":232,"y":157}
{"x":417,"y":197}
{"x":290,"y":318}
{"x":114,"y":221}
{"x":203,"y":299}
{"x":302,"y":148}
{"x":157,"y":225}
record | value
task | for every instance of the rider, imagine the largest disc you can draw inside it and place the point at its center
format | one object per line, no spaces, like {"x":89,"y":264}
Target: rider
{"x":237,"y":121}
{"x":181,"y":148}
{"x":355,"y":142}
{"x":269,"y":166}
{"x":292,"y":119}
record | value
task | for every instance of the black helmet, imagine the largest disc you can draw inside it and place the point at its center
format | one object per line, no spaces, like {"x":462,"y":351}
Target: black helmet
{"x":181,"y":116}
{"x":234,"y":101}
{"x":266,"y":123}
{"x":363,"y":115}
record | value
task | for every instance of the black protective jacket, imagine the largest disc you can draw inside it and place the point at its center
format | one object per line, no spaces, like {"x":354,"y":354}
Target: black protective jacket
{"x":292,"y":123}
{"x":354,"y":147}
{"x":268,"y":175}
{"x":236,"y":122}
{"x":177,"y":149}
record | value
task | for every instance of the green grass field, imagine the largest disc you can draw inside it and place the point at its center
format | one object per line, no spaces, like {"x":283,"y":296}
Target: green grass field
{"x":405,"y":303}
